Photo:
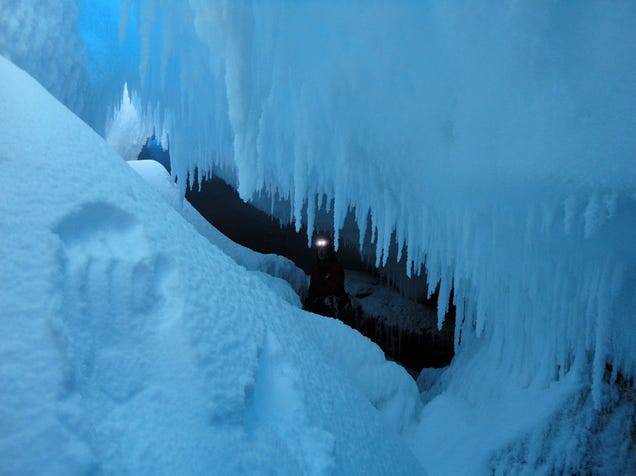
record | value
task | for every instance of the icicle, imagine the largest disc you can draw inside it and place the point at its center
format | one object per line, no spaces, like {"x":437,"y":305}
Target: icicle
{"x":399,"y":238}
{"x":600,"y":351}
{"x":297,"y":209}
{"x":311,"y":217}
{"x":379,"y":243}
{"x":339,"y":215}
{"x":458,"y":301}
{"x":363,"y":226}
{"x":443,"y":298}
{"x":434,"y":273}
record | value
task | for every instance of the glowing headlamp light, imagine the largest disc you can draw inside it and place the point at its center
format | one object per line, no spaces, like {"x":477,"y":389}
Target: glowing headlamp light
{"x":322,"y":242}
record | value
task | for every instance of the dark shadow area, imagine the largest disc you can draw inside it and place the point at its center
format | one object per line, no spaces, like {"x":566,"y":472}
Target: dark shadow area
{"x":413,"y":349}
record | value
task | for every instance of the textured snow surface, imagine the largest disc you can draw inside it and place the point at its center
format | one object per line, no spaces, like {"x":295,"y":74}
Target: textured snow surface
{"x":129,"y":344}
{"x":270,"y":264}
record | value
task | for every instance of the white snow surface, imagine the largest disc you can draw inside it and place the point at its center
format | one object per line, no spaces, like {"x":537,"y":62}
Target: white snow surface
{"x":270,"y":265}
{"x":129,"y":344}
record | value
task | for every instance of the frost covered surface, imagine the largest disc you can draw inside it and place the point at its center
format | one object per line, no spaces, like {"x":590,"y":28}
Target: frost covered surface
{"x":131,"y":345}
{"x":274,"y":265}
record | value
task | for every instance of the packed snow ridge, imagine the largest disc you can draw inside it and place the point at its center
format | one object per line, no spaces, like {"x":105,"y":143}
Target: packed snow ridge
{"x":494,"y":142}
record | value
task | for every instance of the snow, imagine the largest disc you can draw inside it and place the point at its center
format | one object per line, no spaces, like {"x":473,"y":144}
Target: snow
{"x":269,"y":265}
{"x":132,"y":345}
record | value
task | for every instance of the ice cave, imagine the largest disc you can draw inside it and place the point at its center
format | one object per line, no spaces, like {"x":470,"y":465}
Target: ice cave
{"x":169,"y":171}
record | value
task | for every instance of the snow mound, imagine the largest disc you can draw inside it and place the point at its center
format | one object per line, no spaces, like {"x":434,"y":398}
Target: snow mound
{"x":131,"y":345}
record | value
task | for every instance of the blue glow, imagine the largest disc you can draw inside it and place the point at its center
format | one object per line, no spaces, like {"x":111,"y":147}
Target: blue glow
{"x":99,"y":27}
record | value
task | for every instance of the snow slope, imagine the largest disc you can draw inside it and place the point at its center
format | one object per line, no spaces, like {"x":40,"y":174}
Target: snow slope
{"x":270,"y":264}
{"x":131,"y":345}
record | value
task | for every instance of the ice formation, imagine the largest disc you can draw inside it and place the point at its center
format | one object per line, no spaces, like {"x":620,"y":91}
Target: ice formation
{"x":494,"y":141}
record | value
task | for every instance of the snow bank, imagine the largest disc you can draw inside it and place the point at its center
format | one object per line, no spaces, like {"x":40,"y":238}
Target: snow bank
{"x":130,"y":345}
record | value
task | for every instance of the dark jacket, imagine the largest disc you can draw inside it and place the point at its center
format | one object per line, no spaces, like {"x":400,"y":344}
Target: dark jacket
{"x":327,"y":279}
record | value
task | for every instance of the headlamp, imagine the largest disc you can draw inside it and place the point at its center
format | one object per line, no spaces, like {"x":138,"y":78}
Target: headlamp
{"x":322,"y":242}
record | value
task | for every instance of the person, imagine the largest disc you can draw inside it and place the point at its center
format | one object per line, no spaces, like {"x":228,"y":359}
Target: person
{"x":326,"y":294}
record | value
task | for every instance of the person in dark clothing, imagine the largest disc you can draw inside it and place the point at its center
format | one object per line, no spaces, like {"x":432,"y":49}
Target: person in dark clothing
{"x":326,"y":295}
